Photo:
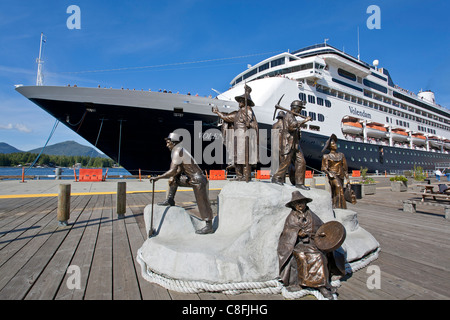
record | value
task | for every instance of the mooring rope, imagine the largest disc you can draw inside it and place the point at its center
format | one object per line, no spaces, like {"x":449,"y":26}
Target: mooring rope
{"x":39,"y":155}
{"x":262,"y":287}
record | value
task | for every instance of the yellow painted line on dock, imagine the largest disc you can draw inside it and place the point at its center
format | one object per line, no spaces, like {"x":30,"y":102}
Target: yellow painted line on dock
{"x":40,"y":195}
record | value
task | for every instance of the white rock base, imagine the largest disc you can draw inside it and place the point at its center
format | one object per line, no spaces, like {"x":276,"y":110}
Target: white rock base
{"x":241,"y":256}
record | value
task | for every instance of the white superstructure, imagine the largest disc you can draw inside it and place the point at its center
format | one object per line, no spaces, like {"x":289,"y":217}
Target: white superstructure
{"x":347,"y":97}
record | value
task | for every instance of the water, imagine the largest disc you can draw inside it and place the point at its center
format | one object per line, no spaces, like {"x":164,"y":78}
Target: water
{"x":49,"y":173}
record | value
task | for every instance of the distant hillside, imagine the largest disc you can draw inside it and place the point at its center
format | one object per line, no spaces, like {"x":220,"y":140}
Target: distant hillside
{"x":69,"y":148}
{"x":6,"y":148}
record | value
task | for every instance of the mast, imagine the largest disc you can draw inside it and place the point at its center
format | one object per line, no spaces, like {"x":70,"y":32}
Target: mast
{"x":40,"y":76}
{"x":358,"y":46}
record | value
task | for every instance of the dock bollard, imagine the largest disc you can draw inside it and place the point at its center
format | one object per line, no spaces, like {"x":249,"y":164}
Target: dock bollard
{"x":63,"y":214}
{"x":121,"y":199}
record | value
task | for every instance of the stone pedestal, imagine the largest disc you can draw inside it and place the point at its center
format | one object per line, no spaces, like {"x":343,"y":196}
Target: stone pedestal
{"x":243,"y":250}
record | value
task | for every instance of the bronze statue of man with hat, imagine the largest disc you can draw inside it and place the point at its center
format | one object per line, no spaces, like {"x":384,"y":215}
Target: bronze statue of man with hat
{"x":244,"y":124}
{"x":335,"y":167}
{"x":301,"y":262}
{"x":185,"y":172}
{"x":290,"y":151}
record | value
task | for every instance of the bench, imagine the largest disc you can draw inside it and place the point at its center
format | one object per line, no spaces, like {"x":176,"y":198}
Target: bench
{"x":410,"y":206}
{"x":435,"y":196}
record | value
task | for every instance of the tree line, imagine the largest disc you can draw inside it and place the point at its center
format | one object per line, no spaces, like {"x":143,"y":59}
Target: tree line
{"x":24,"y":158}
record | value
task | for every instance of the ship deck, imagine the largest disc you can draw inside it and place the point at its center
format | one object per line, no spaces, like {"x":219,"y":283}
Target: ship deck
{"x":35,"y":253}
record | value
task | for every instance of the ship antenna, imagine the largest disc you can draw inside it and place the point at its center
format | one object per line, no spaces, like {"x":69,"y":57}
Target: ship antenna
{"x":358,"y":44}
{"x":40,"y":75}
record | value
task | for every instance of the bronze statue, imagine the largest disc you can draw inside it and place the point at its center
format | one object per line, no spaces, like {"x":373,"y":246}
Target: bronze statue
{"x":278,"y":126}
{"x":335,"y":167}
{"x":185,"y":172}
{"x":245,"y":153}
{"x":301,"y":262}
{"x":290,"y":151}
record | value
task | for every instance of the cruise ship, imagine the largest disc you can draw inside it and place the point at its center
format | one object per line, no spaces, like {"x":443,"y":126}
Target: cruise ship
{"x":379,"y":125}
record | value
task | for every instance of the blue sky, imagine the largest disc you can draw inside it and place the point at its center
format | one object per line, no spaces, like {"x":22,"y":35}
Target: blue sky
{"x":413,"y":43}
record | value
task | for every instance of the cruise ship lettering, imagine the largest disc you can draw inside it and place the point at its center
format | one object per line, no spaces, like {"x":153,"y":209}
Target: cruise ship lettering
{"x":359,"y":113}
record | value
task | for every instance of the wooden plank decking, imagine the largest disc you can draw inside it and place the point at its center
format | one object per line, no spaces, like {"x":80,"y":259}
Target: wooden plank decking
{"x":37,"y":256}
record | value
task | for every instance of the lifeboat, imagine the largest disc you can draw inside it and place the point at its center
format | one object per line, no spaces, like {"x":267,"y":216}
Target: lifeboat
{"x":376,"y":130}
{"x":352,"y":126}
{"x":435,"y":142}
{"x":399,"y":135}
{"x":418,"y":139}
{"x":447,"y":144}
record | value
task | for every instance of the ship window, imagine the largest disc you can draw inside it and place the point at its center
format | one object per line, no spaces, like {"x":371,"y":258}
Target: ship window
{"x":319,"y":101}
{"x":327,"y":103}
{"x":304,"y":113}
{"x":249,"y":74}
{"x":346,"y":74}
{"x":277,"y":62}
{"x":321,"y":117}
{"x":302,"y":96}
{"x":311,"y":99}
{"x":313,"y":116}
{"x":374,"y":85}
{"x":378,"y":76}
{"x":346,"y":84}
{"x":177,"y":112}
{"x":319,"y":66}
{"x":263,"y":67}
{"x":306,"y":66}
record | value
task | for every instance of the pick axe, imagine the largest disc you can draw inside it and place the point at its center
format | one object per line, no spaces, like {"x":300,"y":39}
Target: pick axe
{"x":151,"y":231}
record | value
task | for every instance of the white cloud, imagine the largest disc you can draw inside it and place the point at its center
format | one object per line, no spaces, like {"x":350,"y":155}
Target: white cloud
{"x":9,"y":126}
{"x":18,"y":126}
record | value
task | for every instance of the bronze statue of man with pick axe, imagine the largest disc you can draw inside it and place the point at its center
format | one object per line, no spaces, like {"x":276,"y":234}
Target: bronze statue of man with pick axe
{"x":290,"y":151}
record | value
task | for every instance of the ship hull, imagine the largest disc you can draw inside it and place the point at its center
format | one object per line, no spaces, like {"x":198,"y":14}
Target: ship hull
{"x":134,"y":137}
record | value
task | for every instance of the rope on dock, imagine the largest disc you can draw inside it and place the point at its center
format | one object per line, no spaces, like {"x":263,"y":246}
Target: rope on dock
{"x":265,"y":287}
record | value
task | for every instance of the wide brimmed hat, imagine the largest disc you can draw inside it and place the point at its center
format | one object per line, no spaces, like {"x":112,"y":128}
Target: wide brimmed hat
{"x":246,"y":95}
{"x":297,"y":197}
{"x":174,"y":137}
{"x":327,"y":144}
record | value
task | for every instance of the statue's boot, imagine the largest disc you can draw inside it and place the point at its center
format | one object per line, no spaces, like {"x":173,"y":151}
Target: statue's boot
{"x":170,"y":201}
{"x":277,"y":181}
{"x":326,"y":292}
{"x":239,"y":173}
{"x":206,"y":229}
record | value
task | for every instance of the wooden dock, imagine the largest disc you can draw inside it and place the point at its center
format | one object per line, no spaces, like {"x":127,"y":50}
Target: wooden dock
{"x":41,"y":260}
